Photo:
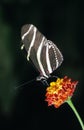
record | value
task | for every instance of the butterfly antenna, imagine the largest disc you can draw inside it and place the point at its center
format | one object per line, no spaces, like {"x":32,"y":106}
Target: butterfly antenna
{"x":15,"y":88}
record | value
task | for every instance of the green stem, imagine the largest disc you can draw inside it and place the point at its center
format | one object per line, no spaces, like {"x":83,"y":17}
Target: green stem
{"x":76,"y":113}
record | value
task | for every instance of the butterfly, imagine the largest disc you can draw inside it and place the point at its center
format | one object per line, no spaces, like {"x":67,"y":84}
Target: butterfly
{"x":43,"y":53}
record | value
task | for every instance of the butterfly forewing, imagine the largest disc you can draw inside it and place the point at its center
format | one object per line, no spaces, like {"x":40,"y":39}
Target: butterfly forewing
{"x":44,"y":54}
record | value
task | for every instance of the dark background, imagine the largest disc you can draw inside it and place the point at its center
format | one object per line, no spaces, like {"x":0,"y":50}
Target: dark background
{"x":24,"y":107}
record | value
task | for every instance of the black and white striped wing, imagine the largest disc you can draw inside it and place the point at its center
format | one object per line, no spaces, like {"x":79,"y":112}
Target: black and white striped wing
{"x":44,"y":54}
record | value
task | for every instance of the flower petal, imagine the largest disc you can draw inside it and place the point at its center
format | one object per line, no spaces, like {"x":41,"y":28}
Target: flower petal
{"x":58,"y":92}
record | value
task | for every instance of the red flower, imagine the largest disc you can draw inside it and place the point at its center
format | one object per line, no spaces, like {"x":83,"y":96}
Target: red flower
{"x":60,"y":91}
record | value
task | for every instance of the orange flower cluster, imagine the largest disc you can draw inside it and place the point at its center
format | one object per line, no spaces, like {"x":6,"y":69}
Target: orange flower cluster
{"x":60,"y":91}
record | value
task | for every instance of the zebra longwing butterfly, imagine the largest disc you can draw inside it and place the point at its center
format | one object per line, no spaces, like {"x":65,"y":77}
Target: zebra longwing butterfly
{"x":44,"y":54}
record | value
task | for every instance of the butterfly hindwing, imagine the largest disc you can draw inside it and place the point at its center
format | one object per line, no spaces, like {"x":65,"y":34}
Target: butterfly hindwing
{"x":44,"y":54}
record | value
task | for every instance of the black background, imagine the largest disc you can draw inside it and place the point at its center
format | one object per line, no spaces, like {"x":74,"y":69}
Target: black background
{"x":24,"y":107}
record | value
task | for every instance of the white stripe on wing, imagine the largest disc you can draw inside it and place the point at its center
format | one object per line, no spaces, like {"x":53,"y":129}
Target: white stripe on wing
{"x":39,"y":58}
{"x":24,"y":35}
{"x":32,"y":43}
{"x":48,"y":59}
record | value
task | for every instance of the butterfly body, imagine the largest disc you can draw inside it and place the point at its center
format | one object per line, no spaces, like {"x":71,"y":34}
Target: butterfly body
{"x":44,"y":54}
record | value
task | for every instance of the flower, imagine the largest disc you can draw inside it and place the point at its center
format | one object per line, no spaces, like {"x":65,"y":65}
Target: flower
{"x":60,"y":91}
